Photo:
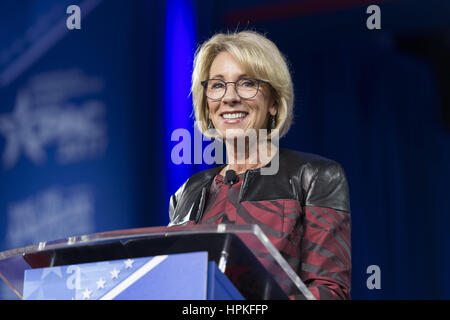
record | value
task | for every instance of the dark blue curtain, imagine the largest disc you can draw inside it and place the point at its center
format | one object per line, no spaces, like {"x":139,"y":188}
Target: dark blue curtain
{"x":375,"y":109}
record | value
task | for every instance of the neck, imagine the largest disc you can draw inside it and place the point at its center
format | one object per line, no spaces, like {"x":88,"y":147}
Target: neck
{"x":248,"y":156}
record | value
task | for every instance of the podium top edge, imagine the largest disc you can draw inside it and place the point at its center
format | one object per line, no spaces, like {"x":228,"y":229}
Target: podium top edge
{"x":134,"y":233}
{"x":15,"y":256}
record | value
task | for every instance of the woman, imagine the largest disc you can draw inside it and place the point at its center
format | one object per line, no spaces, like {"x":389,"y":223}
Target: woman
{"x":240,"y":84}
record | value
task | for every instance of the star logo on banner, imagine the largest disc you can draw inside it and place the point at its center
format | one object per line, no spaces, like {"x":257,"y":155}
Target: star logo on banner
{"x":128,"y":263}
{"x":55,"y":270}
{"x":87,"y":294}
{"x":114,"y":273}
{"x":100,"y":283}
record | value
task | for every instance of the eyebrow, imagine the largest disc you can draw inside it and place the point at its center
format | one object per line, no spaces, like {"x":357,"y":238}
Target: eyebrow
{"x":219,"y":76}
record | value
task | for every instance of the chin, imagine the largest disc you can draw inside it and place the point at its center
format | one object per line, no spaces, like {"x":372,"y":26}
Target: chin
{"x":237,"y":133}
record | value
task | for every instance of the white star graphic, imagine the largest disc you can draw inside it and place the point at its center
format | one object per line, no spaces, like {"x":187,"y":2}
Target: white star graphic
{"x":114,"y":273}
{"x":100,"y":283}
{"x":87,"y":293}
{"x":129,"y":263}
{"x":55,"y":270}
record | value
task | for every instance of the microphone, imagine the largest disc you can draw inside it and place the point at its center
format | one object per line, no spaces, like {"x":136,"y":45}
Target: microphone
{"x":231,"y":177}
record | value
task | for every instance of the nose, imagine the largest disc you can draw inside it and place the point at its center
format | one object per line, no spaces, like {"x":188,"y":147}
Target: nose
{"x":231,"y":97}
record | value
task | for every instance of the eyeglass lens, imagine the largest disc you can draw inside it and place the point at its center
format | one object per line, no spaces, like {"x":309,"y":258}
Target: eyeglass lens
{"x":245,"y":88}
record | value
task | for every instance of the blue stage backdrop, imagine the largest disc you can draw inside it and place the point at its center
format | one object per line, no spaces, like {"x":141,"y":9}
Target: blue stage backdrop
{"x":79,"y":121}
{"x":87,"y":117}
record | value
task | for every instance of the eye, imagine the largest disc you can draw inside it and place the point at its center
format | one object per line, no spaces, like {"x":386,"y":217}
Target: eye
{"x":216,"y":85}
{"x":247,"y":83}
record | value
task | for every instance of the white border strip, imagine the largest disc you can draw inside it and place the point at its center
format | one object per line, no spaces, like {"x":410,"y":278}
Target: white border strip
{"x":134,"y":277}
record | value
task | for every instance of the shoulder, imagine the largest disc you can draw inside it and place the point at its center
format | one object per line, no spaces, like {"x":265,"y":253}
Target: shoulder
{"x":322,"y":180}
{"x":303,"y":158}
{"x":184,"y":202}
{"x":203,"y":177}
{"x":309,"y":165}
{"x":198,"y":180}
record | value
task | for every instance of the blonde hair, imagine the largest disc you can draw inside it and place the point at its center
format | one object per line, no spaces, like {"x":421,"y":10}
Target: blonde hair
{"x":261,"y":59}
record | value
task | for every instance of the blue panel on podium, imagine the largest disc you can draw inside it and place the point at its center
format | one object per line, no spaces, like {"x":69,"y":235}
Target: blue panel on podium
{"x":186,"y":276}
{"x":219,"y":286}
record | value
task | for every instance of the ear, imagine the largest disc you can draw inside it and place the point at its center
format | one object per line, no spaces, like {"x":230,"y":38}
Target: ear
{"x":273,"y":108}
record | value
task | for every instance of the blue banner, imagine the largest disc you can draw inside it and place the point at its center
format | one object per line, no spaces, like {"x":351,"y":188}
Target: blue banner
{"x":151,"y":278}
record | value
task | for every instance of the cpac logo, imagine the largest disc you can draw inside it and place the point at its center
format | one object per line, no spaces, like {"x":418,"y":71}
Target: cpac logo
{"x":39,"y":121}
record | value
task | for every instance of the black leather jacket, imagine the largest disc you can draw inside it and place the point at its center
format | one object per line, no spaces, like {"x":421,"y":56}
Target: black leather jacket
{"x":308,"y":178}
{"x":322,"y":254}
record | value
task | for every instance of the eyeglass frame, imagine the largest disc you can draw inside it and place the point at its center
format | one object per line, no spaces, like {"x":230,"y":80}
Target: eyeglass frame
{"x":205,"y":82}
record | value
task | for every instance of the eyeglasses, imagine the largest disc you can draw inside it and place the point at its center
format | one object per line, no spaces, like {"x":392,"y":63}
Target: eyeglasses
{"x":216,"y":89}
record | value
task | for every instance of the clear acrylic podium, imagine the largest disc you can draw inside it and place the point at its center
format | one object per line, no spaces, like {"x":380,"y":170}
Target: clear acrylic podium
{"x":242,"y":252}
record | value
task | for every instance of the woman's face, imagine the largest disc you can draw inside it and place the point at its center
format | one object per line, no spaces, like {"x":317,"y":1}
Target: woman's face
{"x":233,"y":112}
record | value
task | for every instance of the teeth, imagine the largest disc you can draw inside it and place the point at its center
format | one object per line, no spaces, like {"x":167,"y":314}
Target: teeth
{"x":234,"y":115}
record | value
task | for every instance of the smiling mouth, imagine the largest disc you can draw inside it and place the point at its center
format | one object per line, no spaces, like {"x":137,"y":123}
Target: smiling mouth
{"x":234,"y":115}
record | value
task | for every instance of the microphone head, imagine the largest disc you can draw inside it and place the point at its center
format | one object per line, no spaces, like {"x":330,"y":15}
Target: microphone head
{"x":230,"y":177}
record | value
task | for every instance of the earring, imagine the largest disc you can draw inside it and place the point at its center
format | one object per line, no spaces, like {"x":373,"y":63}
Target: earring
{"x":210,"y":125}
{"x":272,"y":122}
